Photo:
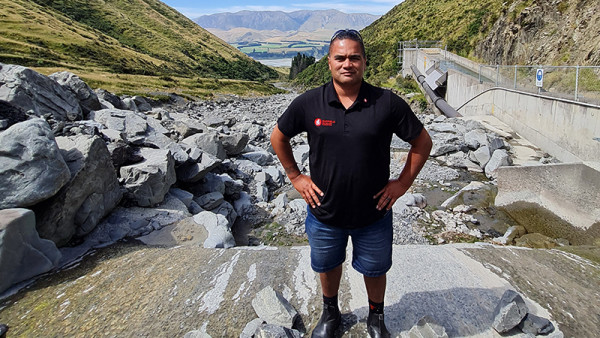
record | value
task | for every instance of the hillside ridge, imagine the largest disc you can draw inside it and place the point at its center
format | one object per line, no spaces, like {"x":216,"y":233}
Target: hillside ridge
{"x":124,"y":37}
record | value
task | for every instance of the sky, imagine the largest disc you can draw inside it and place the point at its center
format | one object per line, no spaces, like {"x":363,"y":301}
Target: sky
{"x":194,"y":9}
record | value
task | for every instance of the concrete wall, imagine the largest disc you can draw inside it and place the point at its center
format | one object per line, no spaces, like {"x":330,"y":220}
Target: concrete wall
{"x":564,"y":129}
{"x":560,"y":200}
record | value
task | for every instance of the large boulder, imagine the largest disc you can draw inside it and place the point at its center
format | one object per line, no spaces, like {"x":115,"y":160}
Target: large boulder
{"x":147,"y":182}
{"x":30,"y":90}
{"x":88,"y":100}
{"x":90,"y":195}
{"x":23,"y":254}
{"x":208,"y":142}
{"x":31,"y":166}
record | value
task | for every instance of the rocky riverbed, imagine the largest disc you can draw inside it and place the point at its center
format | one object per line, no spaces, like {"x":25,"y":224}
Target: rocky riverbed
{"x":84,"y":169}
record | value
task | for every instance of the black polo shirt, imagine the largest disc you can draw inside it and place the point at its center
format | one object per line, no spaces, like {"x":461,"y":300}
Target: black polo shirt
{"x":349,"y":148}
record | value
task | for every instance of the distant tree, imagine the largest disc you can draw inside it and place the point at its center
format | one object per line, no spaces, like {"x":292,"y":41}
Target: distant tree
{"x":299,"y":63}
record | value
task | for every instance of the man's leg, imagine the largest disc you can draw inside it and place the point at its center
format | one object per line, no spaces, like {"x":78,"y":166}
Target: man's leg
{"x":327,"y":250}
{"x":376,"y":288}
{"x":331,"y":317}
{"x":330,"y":281}
{"x":372,"y":256}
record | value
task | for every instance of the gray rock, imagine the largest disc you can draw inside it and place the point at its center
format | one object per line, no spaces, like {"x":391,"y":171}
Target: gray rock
{"x":148,"y":182}
{"x":262,"y":192}
{"x":91,"y":194}
{"x":248,"y":167}
{"x":444,"y":143}
{"x":447,"y":128}
{"x":35,"y":92}
{"x":112,"y":135}
{"x":194,"y":208}
{"x":208,"y":142}
{"x":156,"y":125}
{"x":10,"y":115}
{"x":298,"y":205}
{"x":141,"y":103}
{"x":499,"y":159}
{"x":277,"y":177}
{"x":23,"y":254}
{"x":234,"y":144}
{"x":261,"y":157}
{"x":301,"y":153}
{"x":193,"y":172}
{"x":476,"y":138}
{"x":109,"y":97}
{"x":243,"y":205}
{"x":482,"y":156}
{"x":273,"y":308}
{"x":262,"y":177}
{"x":281,"y":201}
{"x":136,"y":221}
{"x":497,"y":143}
{"x":250,"y":328}
{"x":274,"y":331}
{"x":509,"y":312}
{"x":233,"y":188}
{"x":227,"y":210}
{"x":210,"y":201}
{"x":476,"y":194}
{"x":88,"y":99}
{"x":535,"y":325}
{"x":135,"y":125}
{"x":427,"y":327}
{"x":129,"y":104}
{"x":31,"y":166}
{"x":155,"y":139}
{"x":219,"y":230}
{"x":184,"y":196}
{"x":187,"y":127}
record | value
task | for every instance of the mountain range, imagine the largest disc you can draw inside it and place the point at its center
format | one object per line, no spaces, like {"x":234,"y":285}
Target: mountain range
{"x":306,"y":21}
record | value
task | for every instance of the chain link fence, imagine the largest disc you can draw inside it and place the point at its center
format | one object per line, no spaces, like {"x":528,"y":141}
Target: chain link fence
{"x":578,"y":83}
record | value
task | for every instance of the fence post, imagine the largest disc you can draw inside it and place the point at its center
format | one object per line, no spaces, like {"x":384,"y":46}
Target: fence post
{"x":515,"y":76}
{"x":480,"y":74}
{"x":576,"y":82}
{"x":497,"y":75}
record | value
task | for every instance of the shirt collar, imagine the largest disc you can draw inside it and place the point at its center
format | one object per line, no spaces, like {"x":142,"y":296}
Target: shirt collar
{"x":362,"y":99}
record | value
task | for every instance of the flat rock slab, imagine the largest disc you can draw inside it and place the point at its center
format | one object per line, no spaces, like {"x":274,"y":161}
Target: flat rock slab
{"x":132,"y":289}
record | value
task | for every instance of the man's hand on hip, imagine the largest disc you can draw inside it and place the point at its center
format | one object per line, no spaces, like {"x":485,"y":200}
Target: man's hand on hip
{"x":307,"y":189}
{"x":389,"y":194}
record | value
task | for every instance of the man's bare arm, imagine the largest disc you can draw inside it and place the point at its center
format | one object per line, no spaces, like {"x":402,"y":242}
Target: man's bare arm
{"x":417,"y":156}
{"x":302,"y":183}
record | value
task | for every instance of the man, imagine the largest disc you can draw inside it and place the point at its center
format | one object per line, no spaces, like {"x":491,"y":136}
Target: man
{"x":350,"y":125}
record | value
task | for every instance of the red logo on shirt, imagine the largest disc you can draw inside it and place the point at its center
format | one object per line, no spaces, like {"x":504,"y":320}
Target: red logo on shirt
{"x":325,"y":123}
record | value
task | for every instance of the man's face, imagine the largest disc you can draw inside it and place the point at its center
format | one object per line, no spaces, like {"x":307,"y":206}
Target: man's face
{"x":346,"y":62}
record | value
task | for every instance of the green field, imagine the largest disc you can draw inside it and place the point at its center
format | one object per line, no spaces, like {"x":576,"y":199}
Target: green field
{"x":283,"y":49}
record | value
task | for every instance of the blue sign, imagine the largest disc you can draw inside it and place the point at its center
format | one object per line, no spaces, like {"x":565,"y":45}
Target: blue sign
{"x":539,"y":78}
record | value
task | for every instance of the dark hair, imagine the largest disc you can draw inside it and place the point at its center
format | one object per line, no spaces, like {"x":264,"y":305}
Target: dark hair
{"x":350,"y":34}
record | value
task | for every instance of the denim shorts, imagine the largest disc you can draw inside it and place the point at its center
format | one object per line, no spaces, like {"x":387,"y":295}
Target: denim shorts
{"x":372,"y":246}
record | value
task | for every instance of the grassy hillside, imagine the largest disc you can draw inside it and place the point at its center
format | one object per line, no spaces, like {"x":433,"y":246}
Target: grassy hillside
{"x":458,"y":23}
{"x":525,"y":32}
{"x":134,"y":37}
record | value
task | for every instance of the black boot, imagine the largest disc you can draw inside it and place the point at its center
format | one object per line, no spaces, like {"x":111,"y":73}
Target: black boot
{"x":376,"y":326}
{"x":329,"y":322}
